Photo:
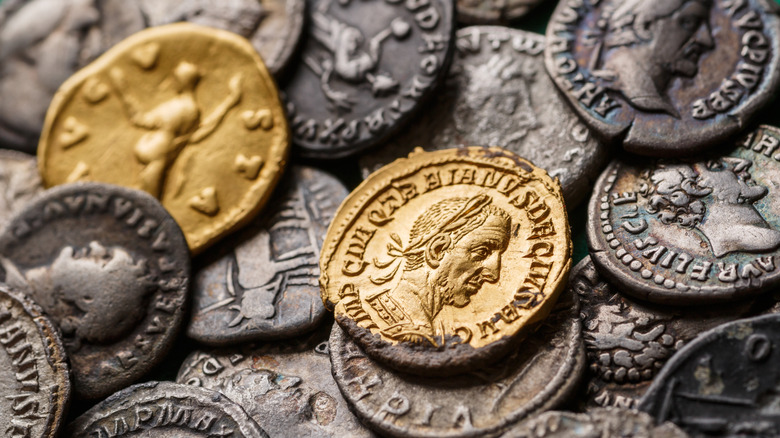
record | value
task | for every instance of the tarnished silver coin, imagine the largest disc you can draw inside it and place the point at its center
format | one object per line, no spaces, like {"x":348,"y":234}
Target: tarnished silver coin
{"x":42,"y":43}
{"x":165,"y":410}
{"x":34,"y":374}
{"x":724,"y":383}
{"x":365,"y":67}
{"x":19,"y":182}
{"x":701,"y":230}
{"x":286,"y":386}
{"x":603,"y":422}
{"x":493,"y":11}
{"x":272,"y":26}
{"x":666,"y":77}
{"x":541,"y":374}
{"x":111,"y":268}
{"x":498,"y":94}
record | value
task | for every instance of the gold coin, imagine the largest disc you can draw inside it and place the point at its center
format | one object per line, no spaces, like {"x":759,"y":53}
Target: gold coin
{"x":438,"y":263}
{"x":186,"y":113}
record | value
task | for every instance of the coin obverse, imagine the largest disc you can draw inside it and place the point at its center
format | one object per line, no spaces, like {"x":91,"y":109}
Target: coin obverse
{"x":437,"y":263}
{"x":19,"y":182}
{"x":365,"y":67}
{"x":724,"y":383}
{"x":34,"y":374}
{"x":111,"y":268}
{"x":262,"y":283}
{"x":539,"y":375}
{"x":497,"y":93}
{"x":703,"y":230}
{"x":493,"y":11}
{"x":665,"y":77}
{"x":186,"y":113}
{"x":286,"y":386}
{"x":165,"y":410}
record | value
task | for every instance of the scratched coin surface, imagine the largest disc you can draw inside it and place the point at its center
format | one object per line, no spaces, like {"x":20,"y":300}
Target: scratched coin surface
{"x":701,"y":230}
{"x":724,"y":383}
{"x":186,"y":113}
{"x":539,"y":375}
{"x":365,"y":67}
{"x":493,"y":11}
{"x":262,"y":282}
{"x":666,"y":77}
{"x":34,"y":374}
{"x":42,"y":43}
{"x":165,"y":410}
{"x":497,"y":93}
{"x":438,"y":262}
{"x":19,"y":182}
{"x":272,"y":26}
{"x":286,"y":386}
{"x":111,"y":268}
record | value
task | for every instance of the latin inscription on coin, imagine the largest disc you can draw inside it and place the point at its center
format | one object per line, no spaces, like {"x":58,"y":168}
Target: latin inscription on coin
{"x":493,"y":11}
{"x":438,"y":262}
{"x":19,"y":183}
{"x":665,"y":77}
{"x":693,"y":231}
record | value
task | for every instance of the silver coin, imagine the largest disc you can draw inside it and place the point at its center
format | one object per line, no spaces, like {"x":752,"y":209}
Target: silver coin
{"x":19,"y":182}
{"x":498,"y":94}
{"x":263,"y":283}
{"x":165,"y":410}
{"x":111,"y":268}
{"x":42,"y":43}
{"x":541,"y":374}
{"x":702,"y":230}
{"x":272,"y":26}
{"x":493,"y":11}
{"x":285,"y":386}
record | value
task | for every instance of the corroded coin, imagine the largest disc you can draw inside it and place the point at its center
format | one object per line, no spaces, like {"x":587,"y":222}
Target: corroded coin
{"x":724,"y":383}
{"x":262,"y":283}
{"x":165,"y":410}
{"x":493,"y":11}
{"x":365,"y":67}
{"x":539,"y":375}
{"x":111,"y":268}
{"x":498,"y":93}
{"x":438,"y":262}
{"x":42,"y":43}
{"x":285,"y":386}
{"x":19,"y":183}
{"x":701,"y":230}
{"x":186,"y":113}
{"x":666,"y":77}
{"x":34,"y":375}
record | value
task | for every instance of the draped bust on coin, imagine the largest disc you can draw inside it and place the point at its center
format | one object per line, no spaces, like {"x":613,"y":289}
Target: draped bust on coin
{"x":186,"y":113}
{"x":437,"y":262}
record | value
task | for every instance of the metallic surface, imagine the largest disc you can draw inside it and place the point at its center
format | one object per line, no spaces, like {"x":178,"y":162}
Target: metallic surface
{"x":497,"y":93}
{"x":165,"y":410}
{"x":19,"y":183}
{"x":111,"y":268}
{"x":186,"y":113}
{"x":493,"y":11}
{"x":262,"y":282}
{"x":365,"y":67}
{"x":539,"y":375}
{"x":439,"y":262}
{"x":666,"y":78}
{"x":286,"y":386}
{"x":702,"y":230}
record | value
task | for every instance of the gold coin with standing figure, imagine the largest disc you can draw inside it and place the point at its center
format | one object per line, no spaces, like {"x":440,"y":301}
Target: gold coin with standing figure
{"x":439,"y":262}
{"x":186,"y":113}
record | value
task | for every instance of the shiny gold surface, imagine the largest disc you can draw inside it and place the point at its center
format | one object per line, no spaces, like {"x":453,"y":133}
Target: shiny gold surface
{"x":471,"y":242}
{"x":187,"y":113}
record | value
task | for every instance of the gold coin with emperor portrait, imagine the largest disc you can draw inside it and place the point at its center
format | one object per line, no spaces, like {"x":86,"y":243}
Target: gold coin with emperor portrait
{"x":186,"y":113}
{"x":442,"y":261}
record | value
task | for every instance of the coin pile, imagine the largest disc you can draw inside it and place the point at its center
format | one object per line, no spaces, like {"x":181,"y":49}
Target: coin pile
{"x":314,"y":218}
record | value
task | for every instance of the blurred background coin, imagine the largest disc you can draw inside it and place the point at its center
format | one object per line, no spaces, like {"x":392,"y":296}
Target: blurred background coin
{"x":19,"y":182}
{"x":493,"y":11}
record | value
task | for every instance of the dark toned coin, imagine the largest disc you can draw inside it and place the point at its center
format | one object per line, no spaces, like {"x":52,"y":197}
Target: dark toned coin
{"x":539,"y":375}
{"x":263,"y":282}
{"x":19,"y":182}
{"x":111,"y":268}
{"x":365,"y":67}
{"x":666,"y":77}
{"x":701,"y":230}
{"x":34,"y":374}
{"x":724,"y":383}
{"x":497,"y":93}
{"x":165,"y":410}
{"x":493,"y":11}
{"x":286,"y":386}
